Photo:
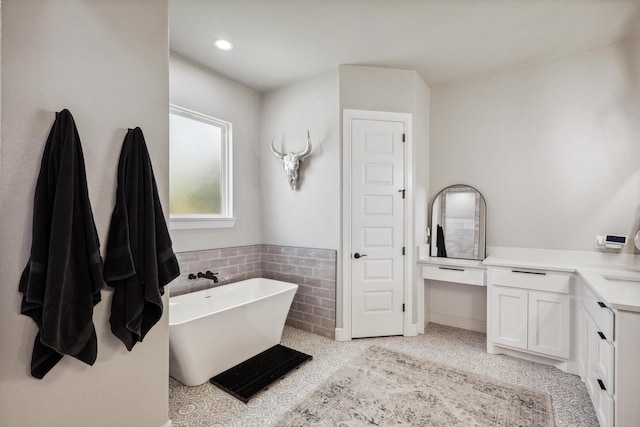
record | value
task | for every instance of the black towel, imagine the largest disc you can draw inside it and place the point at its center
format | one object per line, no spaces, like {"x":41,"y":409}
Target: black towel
{"x":140,"y":260}
{"x":62,"y":280}
{"x":442,"y":250}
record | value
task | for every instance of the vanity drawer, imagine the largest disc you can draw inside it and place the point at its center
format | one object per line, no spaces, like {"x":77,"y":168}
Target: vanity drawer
{"x":531,"y":279}
{"x":605,"y":409}
{"x":601,"y":315}
{"x":605,"y":364}
{"x":593,"y":388}
{"x":469,"y":276}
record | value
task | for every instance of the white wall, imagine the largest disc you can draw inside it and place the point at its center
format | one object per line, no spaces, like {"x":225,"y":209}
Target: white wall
{"x":421,"y":126}
{"x":310,"y":216}
{"x":383,"y":89}
{"x":455,"y":304}
{"x":421,"y":184}
{"x":554,"y":147}
{"x":378,"y":89}
{"x":106,"y":61}
{"x":202,"y":90}
{"x":402,"y":91}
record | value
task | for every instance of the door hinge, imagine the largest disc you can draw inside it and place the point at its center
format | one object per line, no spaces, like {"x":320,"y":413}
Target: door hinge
{"x":403,"y":308}
{"x":402,"y":191}
{"x":403,"y":250}
{"x":404,"y":139}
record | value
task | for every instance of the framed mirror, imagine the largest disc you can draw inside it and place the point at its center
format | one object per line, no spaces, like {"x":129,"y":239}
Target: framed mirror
{"x":458,"y":223}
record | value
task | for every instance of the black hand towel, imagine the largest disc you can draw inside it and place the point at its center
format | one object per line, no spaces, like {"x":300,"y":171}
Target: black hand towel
{"x":140,"y":260}
{"x":62,"y":280}
{"x":442,"y":250}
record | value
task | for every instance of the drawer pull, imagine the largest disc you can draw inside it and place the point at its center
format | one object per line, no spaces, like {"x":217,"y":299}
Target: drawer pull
{"x":539,"y":273}
{"x":601,"y":384}
{"x":451,"y":268}
{"x":601,"y":335}
{"x":601,"y":304}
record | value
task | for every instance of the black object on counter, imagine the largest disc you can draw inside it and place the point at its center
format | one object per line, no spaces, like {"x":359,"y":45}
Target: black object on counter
{"x":442,"y":250}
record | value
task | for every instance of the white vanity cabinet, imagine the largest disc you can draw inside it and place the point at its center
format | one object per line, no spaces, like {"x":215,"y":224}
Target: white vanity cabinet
{"x":529,"y":310}
{"x":581,"y":319}
{"x":455,"y":292}
{"x":596,"y":357}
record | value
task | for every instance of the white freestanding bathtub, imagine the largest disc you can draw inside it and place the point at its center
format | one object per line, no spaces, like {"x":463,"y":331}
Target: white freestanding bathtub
{"x":215,"y":329}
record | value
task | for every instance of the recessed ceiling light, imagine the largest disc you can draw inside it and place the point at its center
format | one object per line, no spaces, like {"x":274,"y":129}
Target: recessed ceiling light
{"x":223,"y":44}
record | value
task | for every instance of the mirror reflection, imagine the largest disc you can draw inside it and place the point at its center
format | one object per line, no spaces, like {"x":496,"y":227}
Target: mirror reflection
{"x":458,"y":222}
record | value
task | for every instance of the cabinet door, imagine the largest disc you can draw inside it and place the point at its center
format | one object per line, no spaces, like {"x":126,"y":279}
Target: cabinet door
{"x":592,"y":349}
{"x":605,"y":362}
{"x":605,"y":409}
{"x":509,"y":316}
{"x":549,"y":321}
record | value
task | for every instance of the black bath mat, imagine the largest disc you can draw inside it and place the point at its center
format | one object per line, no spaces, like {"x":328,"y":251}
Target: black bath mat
{"x":255,"y":374}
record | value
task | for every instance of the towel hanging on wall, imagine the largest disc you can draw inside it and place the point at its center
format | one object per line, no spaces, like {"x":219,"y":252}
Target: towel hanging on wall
{"x":62,"y":280}
{"x":442,"y":250}
{"x":140,"y":259}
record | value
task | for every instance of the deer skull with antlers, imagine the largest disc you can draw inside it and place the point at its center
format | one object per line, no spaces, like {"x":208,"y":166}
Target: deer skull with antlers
{"x":291,"y":162}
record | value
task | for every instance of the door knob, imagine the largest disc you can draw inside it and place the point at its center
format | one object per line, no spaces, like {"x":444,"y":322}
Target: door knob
{"x":357,"y":255}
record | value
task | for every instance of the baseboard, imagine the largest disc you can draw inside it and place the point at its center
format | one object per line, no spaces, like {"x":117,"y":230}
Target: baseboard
{"x":412,"y":330}
{"x":458,"y":322}
{"x":563,"y":365}
{"x":341,"y":335}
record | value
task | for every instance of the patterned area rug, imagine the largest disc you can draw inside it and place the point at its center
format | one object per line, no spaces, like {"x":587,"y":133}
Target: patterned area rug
{"x":388,"y":388}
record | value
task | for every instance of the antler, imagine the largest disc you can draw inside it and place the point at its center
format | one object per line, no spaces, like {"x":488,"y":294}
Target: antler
{"x":307,"y":150}
{"x":275,"y":152}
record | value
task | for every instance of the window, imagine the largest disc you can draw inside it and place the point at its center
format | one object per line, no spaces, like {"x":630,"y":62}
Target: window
{"x":200,"y":184}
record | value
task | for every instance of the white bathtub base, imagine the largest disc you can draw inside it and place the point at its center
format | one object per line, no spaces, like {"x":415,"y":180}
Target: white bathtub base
{"x":208,"y":344}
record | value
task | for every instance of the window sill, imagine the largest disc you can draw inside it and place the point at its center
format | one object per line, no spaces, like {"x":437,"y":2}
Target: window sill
{"x":196,"y":223}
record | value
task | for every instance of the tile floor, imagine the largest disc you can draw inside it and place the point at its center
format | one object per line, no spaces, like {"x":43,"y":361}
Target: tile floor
{"x":207,"y":406}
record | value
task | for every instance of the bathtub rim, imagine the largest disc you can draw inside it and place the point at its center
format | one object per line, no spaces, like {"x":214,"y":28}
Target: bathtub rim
{"x":292,"y":287}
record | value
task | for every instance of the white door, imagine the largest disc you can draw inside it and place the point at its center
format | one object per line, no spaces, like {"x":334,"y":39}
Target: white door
{"x":377,"y":227}
{"x":549,"y":323}
{"x":509,"y":316}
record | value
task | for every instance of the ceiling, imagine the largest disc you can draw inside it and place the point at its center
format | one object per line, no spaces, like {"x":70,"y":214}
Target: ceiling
{"x":281,"y":41}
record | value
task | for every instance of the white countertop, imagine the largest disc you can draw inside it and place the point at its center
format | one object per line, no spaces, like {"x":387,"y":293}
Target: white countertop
{"x":622,"y":293}
{"x":618,"y":294}
{"x":592,"y":267}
